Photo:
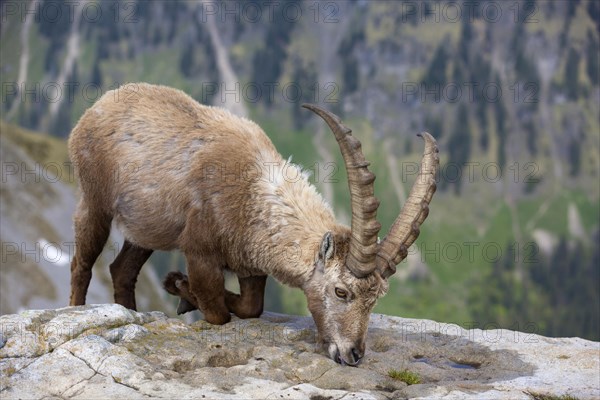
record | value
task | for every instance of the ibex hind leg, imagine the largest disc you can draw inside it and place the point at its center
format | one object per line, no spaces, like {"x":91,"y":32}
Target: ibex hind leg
{"x":124,"y":271}
{"x":91,"y":232}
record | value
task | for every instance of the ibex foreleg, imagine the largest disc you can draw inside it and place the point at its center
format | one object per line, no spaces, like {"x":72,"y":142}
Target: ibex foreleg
{"x":206,"y":289}
{"x":177,"y":284}
{"x":248,"y":304}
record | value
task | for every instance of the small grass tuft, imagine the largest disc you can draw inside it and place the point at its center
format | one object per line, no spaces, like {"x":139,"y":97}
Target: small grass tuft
{"x":410,"y":378}
{"x":542,"y":396}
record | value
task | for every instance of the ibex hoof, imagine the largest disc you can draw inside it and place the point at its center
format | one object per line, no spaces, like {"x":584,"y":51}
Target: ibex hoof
{"x":185,"y":306}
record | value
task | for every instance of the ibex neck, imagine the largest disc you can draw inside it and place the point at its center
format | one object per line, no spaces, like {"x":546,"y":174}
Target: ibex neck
{"x":296,"y":218}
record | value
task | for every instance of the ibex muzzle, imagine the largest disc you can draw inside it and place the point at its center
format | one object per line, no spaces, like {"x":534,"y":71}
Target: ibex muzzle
{"x":173,"y":174}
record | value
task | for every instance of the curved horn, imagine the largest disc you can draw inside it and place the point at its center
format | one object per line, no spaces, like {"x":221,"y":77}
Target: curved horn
{"x":405,"y":229}
{"x":363,"y":243}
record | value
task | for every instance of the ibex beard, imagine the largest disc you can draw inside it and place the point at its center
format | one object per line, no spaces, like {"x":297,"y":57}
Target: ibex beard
{"x":176,"y":194}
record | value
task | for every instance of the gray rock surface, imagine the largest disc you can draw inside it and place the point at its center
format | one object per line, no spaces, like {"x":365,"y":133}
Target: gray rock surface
{"x":107,"y":351}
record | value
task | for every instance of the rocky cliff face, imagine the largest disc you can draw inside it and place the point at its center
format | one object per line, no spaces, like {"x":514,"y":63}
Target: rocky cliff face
{"x":107,"y":351}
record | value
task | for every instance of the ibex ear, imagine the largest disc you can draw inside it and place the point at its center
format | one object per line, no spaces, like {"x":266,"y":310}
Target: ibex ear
{"x":327,"y":247}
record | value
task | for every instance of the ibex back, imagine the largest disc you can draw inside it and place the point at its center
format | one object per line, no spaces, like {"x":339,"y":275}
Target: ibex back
{"x":174,"y":174}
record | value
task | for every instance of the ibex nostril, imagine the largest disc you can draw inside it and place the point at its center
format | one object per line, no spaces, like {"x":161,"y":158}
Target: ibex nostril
{"x":338,"y":358}
{"x":357,"y":355}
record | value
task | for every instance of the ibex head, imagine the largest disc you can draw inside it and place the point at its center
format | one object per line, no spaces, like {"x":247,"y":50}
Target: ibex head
{"x":351,"y":266}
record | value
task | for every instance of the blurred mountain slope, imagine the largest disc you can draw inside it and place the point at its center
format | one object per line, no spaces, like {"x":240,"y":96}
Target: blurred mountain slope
{"x":38,"y":200}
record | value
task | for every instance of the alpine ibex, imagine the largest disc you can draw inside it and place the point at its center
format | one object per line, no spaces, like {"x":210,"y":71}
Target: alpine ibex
{"x":175,"y":174}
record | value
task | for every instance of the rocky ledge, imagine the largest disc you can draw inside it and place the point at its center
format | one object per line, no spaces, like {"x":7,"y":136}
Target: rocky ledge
{"x":107,"y":351}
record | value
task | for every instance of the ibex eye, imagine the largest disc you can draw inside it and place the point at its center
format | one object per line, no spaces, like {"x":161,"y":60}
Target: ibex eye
{"x":341,"y":293}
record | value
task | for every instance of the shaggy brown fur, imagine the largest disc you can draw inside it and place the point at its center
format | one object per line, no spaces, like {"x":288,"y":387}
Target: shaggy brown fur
{"x":174,"y":174}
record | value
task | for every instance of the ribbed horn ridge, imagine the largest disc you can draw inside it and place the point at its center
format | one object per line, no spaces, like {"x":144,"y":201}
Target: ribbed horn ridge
{"x":405,"y":229}
{"x":363,"y":243}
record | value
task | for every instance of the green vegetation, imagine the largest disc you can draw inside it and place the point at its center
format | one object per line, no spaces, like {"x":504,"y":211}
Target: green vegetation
{"x":49,"y":151}
{"x":537,"y":294}
{"x":410,"y":378}
{"x":267,"y":63}
{"x":572,"y":74}
{"x":541,"y":396}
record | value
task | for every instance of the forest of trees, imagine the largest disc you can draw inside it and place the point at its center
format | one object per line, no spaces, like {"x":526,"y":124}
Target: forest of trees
{"x":547,"y":295}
